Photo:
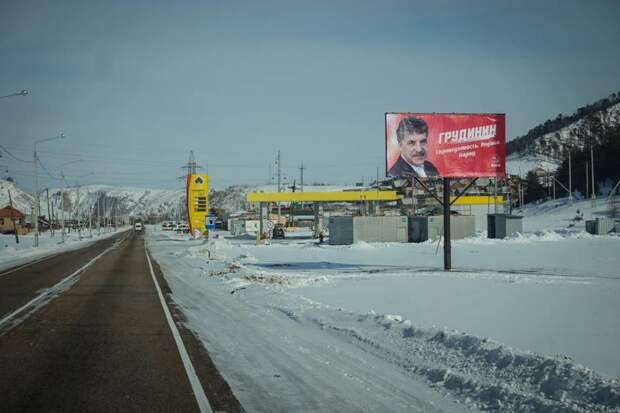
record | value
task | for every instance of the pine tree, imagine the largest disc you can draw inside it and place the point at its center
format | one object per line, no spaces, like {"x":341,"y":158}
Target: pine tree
{"x":534,"y":189}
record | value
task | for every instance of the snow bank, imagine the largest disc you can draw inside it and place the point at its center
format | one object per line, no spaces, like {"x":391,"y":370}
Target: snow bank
{"x":482,"y":373}
{"x":13,"y":254}
{"x":547,"y":235}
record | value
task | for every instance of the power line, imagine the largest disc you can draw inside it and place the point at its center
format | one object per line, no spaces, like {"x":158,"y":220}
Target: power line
{"x":13,"y":156}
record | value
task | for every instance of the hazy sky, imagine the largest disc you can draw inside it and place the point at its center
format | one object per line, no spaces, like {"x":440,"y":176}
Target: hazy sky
{"x":135,"y":85}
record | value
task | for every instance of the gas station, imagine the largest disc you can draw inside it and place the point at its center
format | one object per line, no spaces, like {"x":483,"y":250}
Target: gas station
{"x":317,"y":199}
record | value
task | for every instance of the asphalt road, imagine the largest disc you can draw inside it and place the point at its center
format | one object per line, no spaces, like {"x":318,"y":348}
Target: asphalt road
{"x":100,"y":341}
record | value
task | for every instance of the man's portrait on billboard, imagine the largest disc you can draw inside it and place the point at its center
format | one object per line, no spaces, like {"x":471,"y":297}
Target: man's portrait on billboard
{"x":412,"y":137}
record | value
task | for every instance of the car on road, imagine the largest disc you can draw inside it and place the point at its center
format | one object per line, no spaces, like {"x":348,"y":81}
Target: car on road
{"x":167,"y":226}
{"x":138,"y":226}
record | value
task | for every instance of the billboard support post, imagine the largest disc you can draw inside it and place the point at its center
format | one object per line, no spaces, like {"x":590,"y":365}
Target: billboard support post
{"x":447,"y":264}
{"x":261,"y":228}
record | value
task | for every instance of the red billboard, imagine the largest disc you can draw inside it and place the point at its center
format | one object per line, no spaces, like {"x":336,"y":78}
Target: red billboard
{"x":445,"y":145}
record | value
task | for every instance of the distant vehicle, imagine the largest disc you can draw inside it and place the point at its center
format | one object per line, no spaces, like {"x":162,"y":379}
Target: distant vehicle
{"x":138,"y":226}
{"x":181,"y":228}
{"x":167,"y":226}
{"x":278,"y":232}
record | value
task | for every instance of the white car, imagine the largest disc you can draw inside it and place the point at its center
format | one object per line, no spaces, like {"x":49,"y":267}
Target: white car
{"x":138,"y":226}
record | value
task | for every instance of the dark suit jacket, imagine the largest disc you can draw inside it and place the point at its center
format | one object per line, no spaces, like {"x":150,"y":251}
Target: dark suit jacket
{"x":402,"y":168}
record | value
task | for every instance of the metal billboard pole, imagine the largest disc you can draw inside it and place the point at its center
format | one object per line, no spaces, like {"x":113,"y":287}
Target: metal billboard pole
{"x":447,"y":257}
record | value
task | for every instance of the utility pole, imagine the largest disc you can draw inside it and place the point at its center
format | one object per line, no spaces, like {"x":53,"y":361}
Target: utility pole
{"x":98,"y":206}
{"x":62,"y":207}
{"x":279,"y":183}
{"x":587,"y":179}
{"x":592,"y":170}
{"x":302,"y":182}
{"x":570,"y":180}
{"x":62,"y":196}
{"x":90,"y":220}
{"x":279,"y":172}
{"x":13,"y":218}
{"x":49,"y":216}
{"x":35,"y":185}
{"x":36,"y":198}
{"x":77,"y":211}
{"x":54,"y":218}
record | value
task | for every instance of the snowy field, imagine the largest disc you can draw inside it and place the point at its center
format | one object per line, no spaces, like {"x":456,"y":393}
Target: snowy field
{"x":13,"y":254}
{"x":530,"y":323}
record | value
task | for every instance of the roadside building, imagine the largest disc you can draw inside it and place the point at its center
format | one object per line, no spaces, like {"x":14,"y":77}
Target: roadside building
{"x":9,"y":215}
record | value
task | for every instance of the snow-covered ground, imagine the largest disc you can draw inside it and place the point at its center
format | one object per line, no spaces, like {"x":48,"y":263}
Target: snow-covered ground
{"x":13,"y":254}
{"x":529,"y":323}
{"x":520,"y":165}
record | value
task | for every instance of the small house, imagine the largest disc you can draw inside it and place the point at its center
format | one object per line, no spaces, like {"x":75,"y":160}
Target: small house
{"x":12,"y":219}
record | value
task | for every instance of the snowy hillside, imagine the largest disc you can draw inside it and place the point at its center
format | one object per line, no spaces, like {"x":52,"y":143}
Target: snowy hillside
{"x":168,"y":204}
{"x":21,"y":200}
{"x":549,"y":149}
{"x":125,"y":200}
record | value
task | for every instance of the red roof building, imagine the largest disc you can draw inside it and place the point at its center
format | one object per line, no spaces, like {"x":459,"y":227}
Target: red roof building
{"x":8,"y":212}
{"x":12,"y":220}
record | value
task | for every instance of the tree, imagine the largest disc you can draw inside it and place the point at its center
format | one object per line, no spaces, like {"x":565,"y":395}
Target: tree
{"x":533,"y":188}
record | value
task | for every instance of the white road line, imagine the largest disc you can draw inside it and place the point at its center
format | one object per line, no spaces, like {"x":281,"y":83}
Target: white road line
{"x":52,"y":289}
{"x":199,"y":394}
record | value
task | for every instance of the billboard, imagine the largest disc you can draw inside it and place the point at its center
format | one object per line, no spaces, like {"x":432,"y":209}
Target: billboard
{"x":197,"y":191}
{"x":445,"y":145}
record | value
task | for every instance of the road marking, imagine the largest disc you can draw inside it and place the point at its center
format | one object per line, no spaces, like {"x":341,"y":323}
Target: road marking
{"x":201,"y":397}
{"x":49,"y":292}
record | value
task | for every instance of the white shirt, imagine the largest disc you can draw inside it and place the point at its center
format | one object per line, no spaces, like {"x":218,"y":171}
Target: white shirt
{"x":418,"y":169}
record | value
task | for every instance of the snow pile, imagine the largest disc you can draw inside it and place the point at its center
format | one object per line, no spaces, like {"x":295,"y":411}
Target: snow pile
{"x":13,"y":254}
{"x":362,"y":245}
{"x":482,"y":373}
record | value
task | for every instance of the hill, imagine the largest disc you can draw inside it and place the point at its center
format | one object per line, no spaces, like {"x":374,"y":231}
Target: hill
{"x":547,"y":145}
{"x":21,"y":200}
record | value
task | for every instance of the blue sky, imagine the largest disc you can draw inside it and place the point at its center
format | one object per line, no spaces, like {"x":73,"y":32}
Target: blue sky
{"x":136,"y":85}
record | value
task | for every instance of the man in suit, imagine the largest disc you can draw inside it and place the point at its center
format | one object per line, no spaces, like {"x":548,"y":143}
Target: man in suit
{"x":412,"y":137}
